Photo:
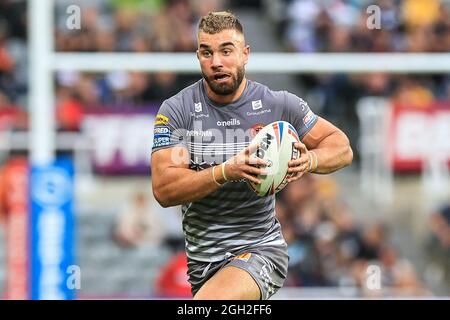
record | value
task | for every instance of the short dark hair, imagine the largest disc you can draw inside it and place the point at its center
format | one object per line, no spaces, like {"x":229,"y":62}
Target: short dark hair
{"x":215,"y":22}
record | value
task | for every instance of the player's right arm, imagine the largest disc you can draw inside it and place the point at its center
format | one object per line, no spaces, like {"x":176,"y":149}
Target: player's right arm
{"x":174,"y":183}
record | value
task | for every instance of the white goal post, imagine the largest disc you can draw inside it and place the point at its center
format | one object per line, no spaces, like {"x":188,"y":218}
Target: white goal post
{"x":292,"y":63}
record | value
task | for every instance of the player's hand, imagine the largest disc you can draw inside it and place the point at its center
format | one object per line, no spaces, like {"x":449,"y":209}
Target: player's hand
{"x":245,"y":165}
{"x":301,"y":165}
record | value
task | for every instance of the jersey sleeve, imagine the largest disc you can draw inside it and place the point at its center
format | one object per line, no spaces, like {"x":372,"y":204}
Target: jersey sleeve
{"x":169,"y":127}
{"x":298,"y":113}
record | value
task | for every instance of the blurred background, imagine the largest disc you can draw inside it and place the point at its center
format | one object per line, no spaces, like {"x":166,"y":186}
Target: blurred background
{"x":390,"y":209}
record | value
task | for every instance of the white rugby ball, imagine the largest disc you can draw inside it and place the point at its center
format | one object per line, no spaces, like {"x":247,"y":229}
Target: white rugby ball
{"x":277,"y":148}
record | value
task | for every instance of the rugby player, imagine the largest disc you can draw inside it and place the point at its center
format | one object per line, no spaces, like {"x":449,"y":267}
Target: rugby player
{"x":202,"y":158}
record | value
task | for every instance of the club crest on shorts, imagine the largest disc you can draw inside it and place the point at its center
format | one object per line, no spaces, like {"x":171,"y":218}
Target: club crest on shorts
{"x":244,"y":257}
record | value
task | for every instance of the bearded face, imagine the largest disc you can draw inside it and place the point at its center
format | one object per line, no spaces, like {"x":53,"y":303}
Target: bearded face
{"x":225,"y":83}
{"x":222,"y":57}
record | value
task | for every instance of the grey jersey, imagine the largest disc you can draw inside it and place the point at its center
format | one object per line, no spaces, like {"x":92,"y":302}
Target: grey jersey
{"x":232,"y":218}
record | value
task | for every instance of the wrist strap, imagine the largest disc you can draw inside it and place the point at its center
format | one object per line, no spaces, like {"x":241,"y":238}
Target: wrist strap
{"x":310,"y":161}
{"x":214,"y":176}
{"x":316,"y":162}
{"x":223,"y":171}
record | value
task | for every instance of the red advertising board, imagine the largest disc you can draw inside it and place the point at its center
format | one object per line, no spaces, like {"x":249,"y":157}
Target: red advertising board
{"x":14,"y":186}
{"x":416,"y":134}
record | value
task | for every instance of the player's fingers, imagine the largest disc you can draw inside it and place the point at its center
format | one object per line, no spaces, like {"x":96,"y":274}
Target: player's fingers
{"x":255,"y":171}
{"x":253,"y":160}
{"x":300,"y":146}
{"x":237,"y":159}
{"x":296,"y":177}
{"x":293,"y":175}
{"x":251,"y":178}
{"x":304,"y":159}
{"x":251,"y":148}
{"x":301,"y":168}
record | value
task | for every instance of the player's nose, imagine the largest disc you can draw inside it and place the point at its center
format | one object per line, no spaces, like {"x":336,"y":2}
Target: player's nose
{"x":216,"y":62}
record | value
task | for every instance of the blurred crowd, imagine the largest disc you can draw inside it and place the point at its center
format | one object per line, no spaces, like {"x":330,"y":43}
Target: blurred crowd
{"x":105,"y":26}
{"x":347,"y":26}
{"x":13,"y":65}
{"x":144,"y":221}
{"x":438,"y":244}
{"x":125,"y":26}
{"x":170,"y":26}
{"x":329,"y":248}
{"x":326,"y":245}
{"x":408,"y":26}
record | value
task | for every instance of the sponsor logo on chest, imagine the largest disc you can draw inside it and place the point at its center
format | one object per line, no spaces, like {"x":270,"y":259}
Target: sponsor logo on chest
{"x":257,"y":104}
{"x":229,"y":123}
{"x":198,"y":107}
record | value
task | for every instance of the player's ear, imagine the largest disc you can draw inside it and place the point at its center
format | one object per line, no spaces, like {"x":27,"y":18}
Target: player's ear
{"x":197,"y":53}
{"x":246,"y":53}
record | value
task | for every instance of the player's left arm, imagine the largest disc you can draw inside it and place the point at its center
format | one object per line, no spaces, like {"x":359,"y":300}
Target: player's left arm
{"x":324,"y":149}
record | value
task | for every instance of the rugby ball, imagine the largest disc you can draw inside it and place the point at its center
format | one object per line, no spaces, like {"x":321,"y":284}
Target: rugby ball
{"x":276,"y":146}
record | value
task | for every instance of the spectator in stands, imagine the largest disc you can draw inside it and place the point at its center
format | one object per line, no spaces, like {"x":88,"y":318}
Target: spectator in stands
{"x":412,"y":93}
{"x":69,"y":110}
{"x":438,"y":243}
{"x":137,"y":224}
{"x":172,"y":280}
{"x":341,"y":26}
{"x":374,"y":235}
{"x":406,"y":281}
{"x":327,"y":247}
{"x":420,"y":13}
{"x":12,"y":117}
{"x":154,"y":25}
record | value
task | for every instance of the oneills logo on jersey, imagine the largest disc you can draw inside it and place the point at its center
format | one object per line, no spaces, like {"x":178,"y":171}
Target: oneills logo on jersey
{"x":198,"y":107}
{"x":231,"y":122}
{"x":161,"y":119}
{"x":244,"y":257}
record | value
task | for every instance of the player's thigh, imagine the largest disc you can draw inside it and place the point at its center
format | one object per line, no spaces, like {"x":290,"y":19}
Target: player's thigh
{"x":229,"y":283}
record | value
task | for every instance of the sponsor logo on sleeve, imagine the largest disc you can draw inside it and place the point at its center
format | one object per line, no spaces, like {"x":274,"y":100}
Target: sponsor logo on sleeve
{"x":161,"y":119}
{"x":162,"y":130}
{"x":161,"y":141}
{"x":309,"y":119}
{"x":161,"y":136}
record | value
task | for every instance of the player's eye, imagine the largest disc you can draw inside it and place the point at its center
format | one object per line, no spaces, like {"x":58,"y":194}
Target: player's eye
{"x":226,"y":52}
{"x":206,"y":54}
